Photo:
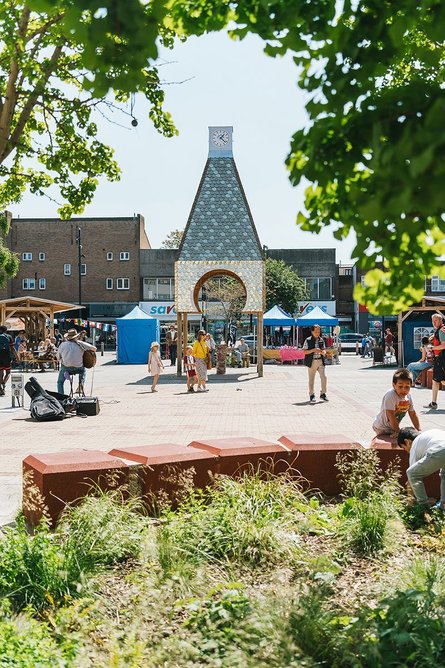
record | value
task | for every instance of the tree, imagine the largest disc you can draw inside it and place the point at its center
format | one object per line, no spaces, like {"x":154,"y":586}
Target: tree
{"x":224,"y":299}
{"x":373,"y":71}
{"x":48,"y":131}
{"x":173,"y":239}
{"x":283,"y":286}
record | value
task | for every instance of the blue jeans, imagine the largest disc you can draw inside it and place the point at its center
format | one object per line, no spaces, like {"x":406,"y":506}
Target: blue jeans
{"x":417,"y":367}
{"x":72,"y":370}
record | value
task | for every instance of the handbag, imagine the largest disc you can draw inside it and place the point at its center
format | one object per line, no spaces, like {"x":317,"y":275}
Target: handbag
{"x":208,"y":357}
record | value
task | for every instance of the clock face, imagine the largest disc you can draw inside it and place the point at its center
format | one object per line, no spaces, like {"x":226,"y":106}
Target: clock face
{"x":220,"y":138}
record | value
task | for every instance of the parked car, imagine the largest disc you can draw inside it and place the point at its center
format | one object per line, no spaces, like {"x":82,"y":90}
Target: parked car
{"x":348,"y":342}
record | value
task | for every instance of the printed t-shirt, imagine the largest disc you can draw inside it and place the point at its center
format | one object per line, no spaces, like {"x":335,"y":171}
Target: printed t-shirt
{"x":392,"y":402}
{"x":317,"y":355}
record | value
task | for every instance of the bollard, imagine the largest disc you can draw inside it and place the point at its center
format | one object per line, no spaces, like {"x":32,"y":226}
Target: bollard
{"x":102,"y":346}
{"x":17,"y":389}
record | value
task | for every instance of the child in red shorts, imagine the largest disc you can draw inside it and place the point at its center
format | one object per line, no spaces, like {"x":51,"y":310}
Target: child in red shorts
{"x":190,"y":368}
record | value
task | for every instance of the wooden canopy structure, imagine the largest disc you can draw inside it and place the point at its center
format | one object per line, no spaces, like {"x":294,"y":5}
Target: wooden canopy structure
{"x":428,"y":303}
{"x":34,"y":312}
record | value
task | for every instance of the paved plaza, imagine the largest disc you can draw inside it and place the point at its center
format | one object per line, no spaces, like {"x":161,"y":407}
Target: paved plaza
{"x":237,"y":404}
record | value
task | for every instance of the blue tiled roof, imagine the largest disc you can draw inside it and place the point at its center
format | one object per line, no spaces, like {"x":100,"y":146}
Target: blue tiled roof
{"x":220,"y":225}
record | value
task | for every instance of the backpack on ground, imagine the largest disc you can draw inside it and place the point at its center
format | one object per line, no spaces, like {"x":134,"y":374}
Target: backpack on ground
{"x":44,"y":407}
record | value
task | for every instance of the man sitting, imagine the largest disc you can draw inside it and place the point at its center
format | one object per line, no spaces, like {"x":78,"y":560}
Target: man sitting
{"x":70,"y":354}
{"x":241,"y":351}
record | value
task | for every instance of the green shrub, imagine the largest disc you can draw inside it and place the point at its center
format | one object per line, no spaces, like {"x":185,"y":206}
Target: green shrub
{"x":373,"y":500}
{"x":48,"y":569}
{"x":103,"y":530}
{"x":36,"y":570}
{"x":249,"y":521}
{"x":25,"y":643}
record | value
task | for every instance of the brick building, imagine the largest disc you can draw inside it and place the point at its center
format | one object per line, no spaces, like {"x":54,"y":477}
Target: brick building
{"x":49,"y":262}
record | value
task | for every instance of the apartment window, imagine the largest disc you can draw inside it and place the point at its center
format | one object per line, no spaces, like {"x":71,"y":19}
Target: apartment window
{"x":42,"y":283}
{"x":83,"y":269}
{"x":67,"y":270}
{"x":437,"y":284}
{"x":27,"y":257}
{"x":28,"y":284}
{"x":123,"y":283}
{"x":42,"y":257}
{"x":159,"y":288}
{"x":109,"y":256}
{"x":319,"y":288}
{"x":109,"y":283}
{"x":124,"y":255}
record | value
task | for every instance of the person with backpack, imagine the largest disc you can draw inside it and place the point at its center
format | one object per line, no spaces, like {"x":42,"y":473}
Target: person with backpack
{"x":7,"y":352}
{"x":70,"y":353}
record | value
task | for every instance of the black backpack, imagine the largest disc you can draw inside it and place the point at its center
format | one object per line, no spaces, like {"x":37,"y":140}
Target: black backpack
{"x":44,"y":406}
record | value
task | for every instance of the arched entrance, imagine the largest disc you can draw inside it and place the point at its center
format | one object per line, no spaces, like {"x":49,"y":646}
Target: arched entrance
{"x":192,"y":276}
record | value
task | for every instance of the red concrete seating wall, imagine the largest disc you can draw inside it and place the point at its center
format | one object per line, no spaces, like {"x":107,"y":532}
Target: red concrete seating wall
{"x":314,"y":457}
{"x":238,"y":455}
{"x":167,"y":469}
{"x":55,"y":479}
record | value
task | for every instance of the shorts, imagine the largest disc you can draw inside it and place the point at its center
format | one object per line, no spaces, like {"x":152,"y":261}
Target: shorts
{"x":438,"y":370}
{"x":5,"y":360}
{"x":191,"y":373}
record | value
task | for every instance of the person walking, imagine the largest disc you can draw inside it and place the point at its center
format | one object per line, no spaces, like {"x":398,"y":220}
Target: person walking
{"x":314,"y":358}
{"x":200,"y":352}
{"x":212,"y":347}
{"x":7,"y":352}
{"x":426,"y":456}
{"x":190,"y":368}
{"x":438,"y":341}
{"x":155,"y":365}
{"x":70,"y":354}
{"x":171,"y":339}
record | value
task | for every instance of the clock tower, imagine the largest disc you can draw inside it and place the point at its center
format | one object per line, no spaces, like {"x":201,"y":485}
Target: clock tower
{"x":220,"y":237}
{"x":220,"y":141}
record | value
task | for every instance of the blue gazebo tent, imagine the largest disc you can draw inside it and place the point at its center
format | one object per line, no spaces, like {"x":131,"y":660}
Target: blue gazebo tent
{"x":135,"y":333}
{"x":316,"y":317}
{"x":277,"y":317}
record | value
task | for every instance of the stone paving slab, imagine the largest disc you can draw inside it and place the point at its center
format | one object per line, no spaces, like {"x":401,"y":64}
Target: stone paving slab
{"x":237,"y":404}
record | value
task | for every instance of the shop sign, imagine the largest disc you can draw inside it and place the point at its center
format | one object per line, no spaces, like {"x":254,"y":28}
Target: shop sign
{"x":327,"y":307}
{"x":163,"y":310}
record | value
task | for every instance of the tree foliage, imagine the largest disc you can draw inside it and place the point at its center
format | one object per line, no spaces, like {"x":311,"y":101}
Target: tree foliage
{"x":49,"y":138}
{"x":173,"y":239}
{"x":373,"y":71}
{"x":283,"y":286}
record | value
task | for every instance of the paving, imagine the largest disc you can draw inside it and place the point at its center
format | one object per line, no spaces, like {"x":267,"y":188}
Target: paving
{"x":237,"y":404}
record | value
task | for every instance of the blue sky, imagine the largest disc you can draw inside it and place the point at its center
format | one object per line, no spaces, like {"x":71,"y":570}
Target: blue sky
{"x":223,"y":83}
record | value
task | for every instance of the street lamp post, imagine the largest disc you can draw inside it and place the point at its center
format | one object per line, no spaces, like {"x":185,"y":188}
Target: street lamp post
{"x":79,"y":265}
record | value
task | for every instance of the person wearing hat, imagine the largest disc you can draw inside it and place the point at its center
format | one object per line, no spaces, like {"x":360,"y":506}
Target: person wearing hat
{"x":155,"y":365}
{"x":70,"y":356}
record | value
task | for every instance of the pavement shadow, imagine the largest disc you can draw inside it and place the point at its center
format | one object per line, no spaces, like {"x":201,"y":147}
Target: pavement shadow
{"x":433,"y":411}
{"x":307,"y":403}
{"x":170,"y":379}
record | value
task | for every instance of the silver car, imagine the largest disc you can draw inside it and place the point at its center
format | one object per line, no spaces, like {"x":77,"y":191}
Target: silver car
{"x":348,"y":342}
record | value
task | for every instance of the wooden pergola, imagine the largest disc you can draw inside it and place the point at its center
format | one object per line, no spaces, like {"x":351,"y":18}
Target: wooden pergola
{"x":428,"y":303}
{"x":34,"y":312}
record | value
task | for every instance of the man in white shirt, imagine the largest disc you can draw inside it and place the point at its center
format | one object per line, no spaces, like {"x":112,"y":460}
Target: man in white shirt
{"x":70,"y":354}
{"x":426,"y":455}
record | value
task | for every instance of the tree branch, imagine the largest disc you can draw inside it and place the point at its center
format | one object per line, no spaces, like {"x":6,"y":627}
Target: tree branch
{"x":30,"y":103}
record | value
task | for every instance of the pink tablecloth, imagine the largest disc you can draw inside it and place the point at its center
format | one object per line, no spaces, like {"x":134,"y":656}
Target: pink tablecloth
{"x":291,"y":354}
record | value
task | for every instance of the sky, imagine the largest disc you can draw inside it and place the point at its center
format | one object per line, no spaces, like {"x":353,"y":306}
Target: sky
{"x":210,"y":80}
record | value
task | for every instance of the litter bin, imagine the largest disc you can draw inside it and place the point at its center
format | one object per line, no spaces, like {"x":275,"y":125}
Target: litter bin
{"x":378,"y":355}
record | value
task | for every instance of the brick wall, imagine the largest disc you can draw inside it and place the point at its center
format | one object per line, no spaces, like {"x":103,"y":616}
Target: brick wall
{"x":57,"y":240}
